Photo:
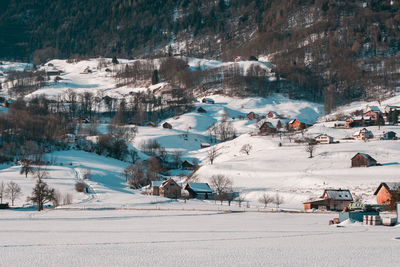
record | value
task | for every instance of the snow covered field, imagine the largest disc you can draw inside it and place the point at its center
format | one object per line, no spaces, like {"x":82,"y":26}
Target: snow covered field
{"x":168,"y":238}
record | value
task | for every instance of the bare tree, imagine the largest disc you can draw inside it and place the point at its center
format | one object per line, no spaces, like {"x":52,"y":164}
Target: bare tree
{"x":246,"y":149}
{"x":240,"y":199}
{"x":310,"y":147}
{"x":265,"y":199}
{"x":41,"y":194}
{"x":26,"y":167}
{"x":278,"y":200}
{"x":221,"y":185}
{"x":2,"y":193}
{"x":41,"y":172}
{"x":212,"y":154}
{"x":13,"y":191}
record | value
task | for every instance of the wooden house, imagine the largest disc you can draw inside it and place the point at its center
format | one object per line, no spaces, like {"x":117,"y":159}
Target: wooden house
{"x":296,"y":125}
{"x":373,"y":112}
{"x":363,"y":134}
{"x":166,"y":125}
{"x":385,"y":191}
{"x":170,"y":188}
{"x":267,"y":128}
{"x":390,"y":108}
{"x":186,"y":165}
{"x":272,"y":115}
{"x":363,"y":160}
{"x":208,"y":101}
{"x":199,"y":190}
{"x":351,"y":122}
{"x":324,"y":139}
{"x":331,"y":199}
{"x":155,"y":188}
{"x":252,"y":116}
{"x":201,"y":110}
{"x":389,"y":135}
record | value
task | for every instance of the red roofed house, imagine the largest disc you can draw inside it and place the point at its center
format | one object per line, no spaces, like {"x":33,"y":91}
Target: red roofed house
{"x":363,"y":160}
{"x":385,"y":191}
{"x":296,"y":125}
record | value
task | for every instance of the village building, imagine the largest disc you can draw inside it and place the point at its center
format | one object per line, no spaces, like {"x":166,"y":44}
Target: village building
{"x":201,"y":110}
{"x":389,"y":135}
{"x":170,"y":189}
{"x":390,"y":108}
{"x":208,"y":101}
{"x":385,"y":192}
{"x":151,"y":124}
{"x":199,"y":190}
{"x":204,"y":145}
{"x":166,"y":125}
{"x":363,"y":160}
{"x":296,"y":125}
{"x":186,"y":165}
{"x":363,"y":134}
{"x":373,"y":112}
{"x":272,"y":115}
{"x":155,"y":188}
{"x":351,"y":122}
{"x":332,"y":199}
{"x":324,"y":139}
{"x":267,"y":128}
{"x":53,"y":73}
{"x":252,"y":116}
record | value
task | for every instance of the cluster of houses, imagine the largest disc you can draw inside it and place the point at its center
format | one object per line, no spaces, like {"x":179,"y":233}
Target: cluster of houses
{"x":171,"y":189}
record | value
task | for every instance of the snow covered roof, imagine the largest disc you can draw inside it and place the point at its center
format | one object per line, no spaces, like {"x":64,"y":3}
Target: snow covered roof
{"x":366,"y":156}
{"x":373,"y":108}
{"x":200,"y":187}
{"x":156,"y":183}
{"x":391,"y":186}
{"x":338,"y":194}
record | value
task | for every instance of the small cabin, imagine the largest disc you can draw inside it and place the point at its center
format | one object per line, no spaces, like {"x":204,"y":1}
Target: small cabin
{"x":53,"y":73}
{"x":363,"y":160}
{"x":363,"y":134}
{"x":151,"y":124}
{"x":201,"y":110}
{"x":385,"y":191}
{"x":166,"y":125}
{"x":324,"y":139}
{"x":272,"y":115}
{"x":296,"y":125}
{"x":389,"y":135}
{"x":199,"y":190}
{"x":267,"y":128}
{"x":331,"y":199}
{"x":208,"y":101}
{"x":186,"y":165}
{"x":204,"y":145}
{"x":170,"y":189}
{"x":252,"y":116}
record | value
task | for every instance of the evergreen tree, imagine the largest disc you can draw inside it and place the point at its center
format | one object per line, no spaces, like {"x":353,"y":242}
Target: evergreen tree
{"x":154,"y":78}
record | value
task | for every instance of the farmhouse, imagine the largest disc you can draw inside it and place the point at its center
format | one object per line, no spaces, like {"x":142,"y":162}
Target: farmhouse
{"x":199,"y":190}
{"x":296,"y":125}
{"x":166,"y":125}
{"x":363,"y":160}
{"x":363,"y":134}
{"x":324,"y":139}
{"x":332,"y":199}
{"x":351,"y":122}
{"x":186,"y":165}
{"x":373,"y":112}
{"x":272,"y":115}
{"x":208,"y":101}
{"x":267,"y":128}
{"x":252,"y":116}
{"x":170,"y":188}
{"x":385,"y":192}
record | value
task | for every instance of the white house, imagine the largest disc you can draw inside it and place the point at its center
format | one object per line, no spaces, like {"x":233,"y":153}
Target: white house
{"x":324,"y":139}
{"x":362,"y":134}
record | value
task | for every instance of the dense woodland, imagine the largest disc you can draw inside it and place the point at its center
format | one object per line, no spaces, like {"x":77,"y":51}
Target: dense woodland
{"x":323,"y":50}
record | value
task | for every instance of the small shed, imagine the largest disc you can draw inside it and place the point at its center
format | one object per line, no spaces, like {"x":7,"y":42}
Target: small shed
{"x":267,"y":128}
{"x":324,"y":139}
{"x":155,"y":188}
{"x":252,"y":116}
{"x":201,"y":110}
{"x":204,"y":145}
{"x":385,"y":192}
{"x":363,"y":160}
{"x":166,"y":125}
{"x":151,"y":124}
{"x":170,"y":189}
{"x":186,"y":165}
{"x":199,"y":190}
{"x":208,"y":100}
{"x":389,"y":135}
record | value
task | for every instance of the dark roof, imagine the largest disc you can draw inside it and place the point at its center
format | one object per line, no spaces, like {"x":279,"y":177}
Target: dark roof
{"x":338,"y":194}
{"x":366,"y":156}
{"x":200,"y":187}
{"x":392,"y":186}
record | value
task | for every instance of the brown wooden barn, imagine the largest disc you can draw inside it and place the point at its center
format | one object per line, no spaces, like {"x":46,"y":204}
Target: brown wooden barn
{"x":363,"y":160}
{"x":166,"y":125}
{"x":199,"y":190}
{"x":267,"y":128}
{"x":252,"y":116}
{"x":331,"y":199}
{"x":385,"y":192}
{"x":186,"y":165}
{"x":170,"y":189}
